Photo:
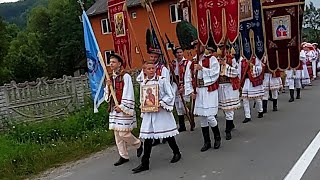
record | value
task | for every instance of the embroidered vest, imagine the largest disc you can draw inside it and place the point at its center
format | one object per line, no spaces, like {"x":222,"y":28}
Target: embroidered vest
{"x":257,"y":81}
{"x":212,"y":87}
{"x":182,"y":66}
{"x":118,"y":85}
{"x":234,"y":81}
{"x":159,"y":69}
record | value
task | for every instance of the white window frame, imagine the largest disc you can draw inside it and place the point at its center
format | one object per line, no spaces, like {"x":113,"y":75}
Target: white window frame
{"x":106,"y":56}
{"x":176,"y":13}
{"x":108,"y":25}
{"x":134,"y":15}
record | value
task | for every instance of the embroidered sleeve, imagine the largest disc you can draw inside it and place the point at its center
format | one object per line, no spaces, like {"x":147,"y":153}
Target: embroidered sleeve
{"x":167,"y":101}
{"x":229,"y":71}
{"x":106,"y":94}
{"x":257,"y":68}
{"x":188,"y":80}
{"x":211,"y":75}
{"x":127,"y":101}
{"x":303,"y":56}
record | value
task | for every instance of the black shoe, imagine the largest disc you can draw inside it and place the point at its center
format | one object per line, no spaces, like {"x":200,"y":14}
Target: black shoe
{"x":140,"y":168}
{"x":291,"y":95}
{"x":275,"y":105}
{"x":206,"y":146}
{"x":228,"y":135}
{"x":140,"y":150}
{"x":265,"y":106}
{"x":217,"y":137}
{"x":176,"y":158}
{"x":182,"y":129}
{"x":246,"y":120}
{"x":260,"y":114}
{"x":298,"y":93}
{"x":121,"y":161}
{"x":156,"y":142}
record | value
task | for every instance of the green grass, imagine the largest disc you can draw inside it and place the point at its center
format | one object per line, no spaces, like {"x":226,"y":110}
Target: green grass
{"x":27,"y":149}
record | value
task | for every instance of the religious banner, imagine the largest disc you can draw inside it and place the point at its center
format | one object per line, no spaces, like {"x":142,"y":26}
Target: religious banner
{"x":251,"y":40}
{"x":120,"y":32}
{"x":219,"y":17}
{"x":283,"y":24}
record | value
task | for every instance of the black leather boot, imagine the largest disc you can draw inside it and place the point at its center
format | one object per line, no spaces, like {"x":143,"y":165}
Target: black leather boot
{"x":144,"y":166}
{"x":260,"y":114}
{"x":121,"y":161}
{"x":175,"y":149}
{"x":265,"y":106}
{"x":291,"y":95}
{"x":298,"y":93}
{"x":182,"y":125}
{"x":275,"y":104}
{"x":217,"y":137}
{"x":270,"y":96}
{"x":228,"y":129}
{"x":206,"y":138}
{"x":140,"y":150}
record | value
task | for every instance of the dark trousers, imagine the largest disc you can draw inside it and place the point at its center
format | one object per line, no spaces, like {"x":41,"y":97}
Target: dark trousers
{"x":148,"y":147}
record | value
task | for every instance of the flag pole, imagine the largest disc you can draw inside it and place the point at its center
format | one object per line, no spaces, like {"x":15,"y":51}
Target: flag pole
{"x":150,"y":10}
{"x":104,"y":67}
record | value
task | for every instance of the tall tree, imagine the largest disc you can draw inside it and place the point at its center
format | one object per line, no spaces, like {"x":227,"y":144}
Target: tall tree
{"x":311,"y":23}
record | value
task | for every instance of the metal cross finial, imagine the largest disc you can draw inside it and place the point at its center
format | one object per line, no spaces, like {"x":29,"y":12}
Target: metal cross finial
{"x":81,"y":4}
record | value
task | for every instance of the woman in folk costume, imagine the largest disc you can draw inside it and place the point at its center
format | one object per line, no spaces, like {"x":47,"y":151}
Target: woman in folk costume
{"x":305,"y":78}
{"x":206,"y":97}
{"x":251,"y":75}
{"x":122,"y":117}
{"x":159,"y":124}
{"x":311,"y":60}
{"x":294,"y":76}
{"x":181,"y":65}
{"x":229,"y":85}
{"x":272,"y":82}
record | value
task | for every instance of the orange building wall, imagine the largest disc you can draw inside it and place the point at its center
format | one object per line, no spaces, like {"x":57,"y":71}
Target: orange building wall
{"x":140,"y":24}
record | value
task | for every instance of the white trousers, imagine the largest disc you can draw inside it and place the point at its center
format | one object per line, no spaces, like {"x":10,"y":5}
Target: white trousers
{"x":273,"y":92}
{"x":294,"y":83}
{"x":246,"y":106}
{"x":208,"y":121}
{"x":229,"y":115}
{"x":314,"y":68}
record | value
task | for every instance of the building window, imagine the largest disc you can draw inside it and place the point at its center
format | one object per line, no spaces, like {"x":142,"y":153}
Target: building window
{"x":168,"y":46}
{"x":107,"y":56}
{"x":134,"y":15}
{"x":175,"y":13}
{"x":105,"y":26}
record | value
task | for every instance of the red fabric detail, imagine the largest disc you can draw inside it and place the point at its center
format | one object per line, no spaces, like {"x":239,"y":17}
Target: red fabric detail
{"x":215,"y":9}
{"x":206,"y":64}
{"x":234,"y":81}
{"x":309,"y":67}
{"x":121,"y":39}
{"x":159,"y":70}
{"x":300,"y":67}
{"x":119,"y":84}
{"x":257,"y":81}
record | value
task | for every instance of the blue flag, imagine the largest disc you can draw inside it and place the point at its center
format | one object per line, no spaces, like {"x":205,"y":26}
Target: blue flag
{"x":95,"y":70}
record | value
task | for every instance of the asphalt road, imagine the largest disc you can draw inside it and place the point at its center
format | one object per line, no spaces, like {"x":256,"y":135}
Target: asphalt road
{"x":264,"y":149}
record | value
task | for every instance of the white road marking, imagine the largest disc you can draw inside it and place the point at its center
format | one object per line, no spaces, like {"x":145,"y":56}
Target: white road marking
{"x":304,"y":161}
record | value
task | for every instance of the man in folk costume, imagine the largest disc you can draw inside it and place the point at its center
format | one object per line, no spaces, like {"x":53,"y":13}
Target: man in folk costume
{"x":251,"y":75}
{"x":229,"y":85}
{"x":161,"y":70}
{"x":294,"y":77}
{"x":206,"y":97}
{"x":180,"y":66}
{"x":159,"y":124}
{"x":272,"y":82}
{"x":122,"y":118}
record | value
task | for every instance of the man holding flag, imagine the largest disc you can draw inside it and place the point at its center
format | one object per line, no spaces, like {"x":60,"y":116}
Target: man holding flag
{"x":122,"y":117}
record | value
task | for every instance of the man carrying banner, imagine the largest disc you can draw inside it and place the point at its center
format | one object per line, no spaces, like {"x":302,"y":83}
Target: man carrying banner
{"x":229,"y":85}
{"x":206,"y":97}
{"x":272,"y":82}
{"x":122,"y":118}
{"x":181,"y":65}
{"x":159,"y":123}
{"x":251,"y":74}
